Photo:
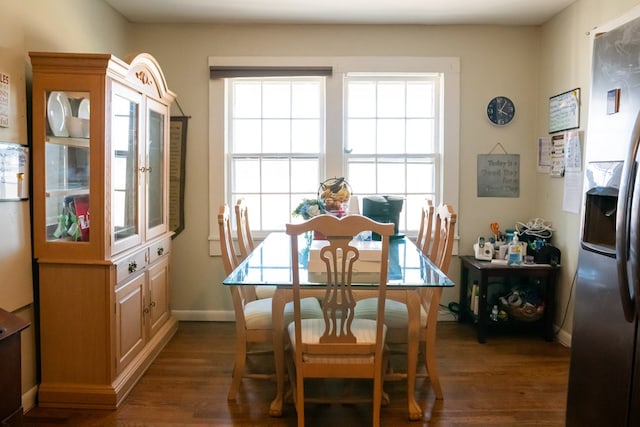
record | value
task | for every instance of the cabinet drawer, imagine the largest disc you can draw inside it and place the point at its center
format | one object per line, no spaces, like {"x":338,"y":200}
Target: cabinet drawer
{"x":159,"y":249}
{"x":131,"y":264}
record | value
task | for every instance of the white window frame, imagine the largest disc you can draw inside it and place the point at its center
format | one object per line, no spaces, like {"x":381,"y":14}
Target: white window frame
{"x":449,"y":143}
{"x":400,"y":158}
{"x":265,"y":156}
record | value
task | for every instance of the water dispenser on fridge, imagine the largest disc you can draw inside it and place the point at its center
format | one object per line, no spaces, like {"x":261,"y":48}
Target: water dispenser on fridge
{"x":601,"y":199}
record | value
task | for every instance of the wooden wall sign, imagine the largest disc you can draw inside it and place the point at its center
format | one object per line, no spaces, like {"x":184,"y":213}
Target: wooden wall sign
{"x":498,"y":175}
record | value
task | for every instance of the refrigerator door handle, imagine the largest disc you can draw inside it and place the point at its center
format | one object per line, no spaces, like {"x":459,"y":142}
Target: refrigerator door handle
{"x":634,"y":233}
{"x":623,"y":228}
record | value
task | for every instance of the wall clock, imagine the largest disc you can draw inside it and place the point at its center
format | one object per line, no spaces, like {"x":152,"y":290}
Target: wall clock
{"x":501,"y":110}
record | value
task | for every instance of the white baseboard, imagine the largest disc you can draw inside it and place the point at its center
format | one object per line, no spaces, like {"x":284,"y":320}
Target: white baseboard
{"x":445,"y":315}
{"x":29,"y":399}
{"x":228,"y":316}
{"x":563,"y":337}
{"x":204,"y":315}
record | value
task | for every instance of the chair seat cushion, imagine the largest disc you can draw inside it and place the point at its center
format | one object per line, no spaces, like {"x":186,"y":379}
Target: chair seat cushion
{"x":395,"y":312}
{"x":312,"y":329}
{"x":265,"y":291}
{"x":257,"y":314}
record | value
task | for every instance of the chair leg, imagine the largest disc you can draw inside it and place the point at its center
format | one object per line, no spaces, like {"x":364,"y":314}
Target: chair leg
{"x":432,"y":364}
{"x":377,"y":400}
{"x":300,"y":399}
{"x":291,"y":376}
{"x":238,"y":369}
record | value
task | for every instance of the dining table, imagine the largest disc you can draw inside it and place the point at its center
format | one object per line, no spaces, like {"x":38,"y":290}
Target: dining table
{"x":269,"y":264}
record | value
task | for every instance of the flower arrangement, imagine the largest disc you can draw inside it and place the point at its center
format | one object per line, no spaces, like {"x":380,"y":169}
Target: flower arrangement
{"x":309,"y":208}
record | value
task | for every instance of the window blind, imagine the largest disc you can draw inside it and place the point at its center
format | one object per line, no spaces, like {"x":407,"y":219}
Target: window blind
{"x":230,"y":71}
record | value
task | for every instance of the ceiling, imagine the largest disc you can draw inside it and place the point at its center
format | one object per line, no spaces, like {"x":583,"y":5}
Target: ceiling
{"x":430,"y":12}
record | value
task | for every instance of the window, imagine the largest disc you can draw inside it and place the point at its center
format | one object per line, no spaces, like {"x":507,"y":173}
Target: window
{"x":389,"y":125}
{"x":391,"y":129}
{"x":275,"y":145}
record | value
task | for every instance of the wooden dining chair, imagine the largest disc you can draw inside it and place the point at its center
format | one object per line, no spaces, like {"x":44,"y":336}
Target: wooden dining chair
{"x":338,"y":345}
{"x":443,"y":237}
{"x":423,"y":240}
{"x":245,"y":237}
{"x":396,"y":312}
{"x":245,"y":243}
{"x":441,"y":254}
{"x":253,"y":316}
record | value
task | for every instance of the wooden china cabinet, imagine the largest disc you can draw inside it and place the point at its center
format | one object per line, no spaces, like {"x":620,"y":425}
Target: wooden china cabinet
{"x":101,"y":233}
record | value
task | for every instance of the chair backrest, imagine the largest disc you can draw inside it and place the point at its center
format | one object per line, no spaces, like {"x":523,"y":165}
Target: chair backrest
{"x":426,"y":227}
{"x":442,"y":247}
{"x":245,"y":237}
{"x":227,"y":251}
{"x":240,"y":294}
{"x":339,"y":256}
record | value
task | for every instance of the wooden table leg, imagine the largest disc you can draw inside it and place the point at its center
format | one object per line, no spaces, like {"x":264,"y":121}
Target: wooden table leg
{"x":430,"y":351}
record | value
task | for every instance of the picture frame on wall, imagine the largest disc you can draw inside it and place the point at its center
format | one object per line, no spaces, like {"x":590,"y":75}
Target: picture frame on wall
{"x":564,"y":111}
{"x":177,"y":162}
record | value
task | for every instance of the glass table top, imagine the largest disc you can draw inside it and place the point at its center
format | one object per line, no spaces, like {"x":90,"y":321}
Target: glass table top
{"x":270,"y":264}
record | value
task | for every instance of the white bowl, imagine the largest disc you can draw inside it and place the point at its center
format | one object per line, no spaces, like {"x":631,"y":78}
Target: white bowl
{"x":77,"y":127}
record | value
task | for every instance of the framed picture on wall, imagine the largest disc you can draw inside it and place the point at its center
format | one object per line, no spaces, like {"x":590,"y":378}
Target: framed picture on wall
{"x":564,"y":111}
{"x":177,"y":159}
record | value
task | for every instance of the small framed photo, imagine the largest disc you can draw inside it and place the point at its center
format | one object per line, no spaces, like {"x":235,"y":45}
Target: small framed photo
{"x":613,"y":101}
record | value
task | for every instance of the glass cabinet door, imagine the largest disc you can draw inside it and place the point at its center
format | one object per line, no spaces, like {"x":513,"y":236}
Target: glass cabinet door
{"x":125,"y":207}
{"x":67,"y":174}
{"x":155,"y":169}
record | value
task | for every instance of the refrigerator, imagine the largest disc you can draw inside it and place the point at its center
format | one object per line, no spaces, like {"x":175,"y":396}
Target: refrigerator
{"x":604,"y":374}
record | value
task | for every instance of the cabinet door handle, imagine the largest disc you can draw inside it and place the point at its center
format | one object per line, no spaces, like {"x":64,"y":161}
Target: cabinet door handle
{"x":146,"y":310}
{"x":133,"y":266}
{"x":160,"y":251}
{"x":152,"y":304}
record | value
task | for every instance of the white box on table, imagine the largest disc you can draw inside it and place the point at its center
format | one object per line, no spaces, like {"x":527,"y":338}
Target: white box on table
{"x":365,"y":270}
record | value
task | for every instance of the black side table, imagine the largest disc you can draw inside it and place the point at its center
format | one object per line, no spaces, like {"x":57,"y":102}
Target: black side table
{"x":483,"y":270}
{"x":10,"y":372}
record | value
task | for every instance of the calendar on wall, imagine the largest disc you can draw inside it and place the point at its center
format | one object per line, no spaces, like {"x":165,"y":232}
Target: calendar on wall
{"x":5,"y":97}
{"x":14,"y":173}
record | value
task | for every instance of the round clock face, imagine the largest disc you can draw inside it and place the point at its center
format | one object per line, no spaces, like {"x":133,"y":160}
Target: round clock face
{"x":501,"y":110}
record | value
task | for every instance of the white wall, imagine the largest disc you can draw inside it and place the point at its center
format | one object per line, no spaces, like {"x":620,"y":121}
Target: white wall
{"x":565,"y":63}
{"x":16,"y":290}
{"x":493,"y":60}
{"x":74,"y":26}
{"x":528,"y":64}
{"x":64,"y":25}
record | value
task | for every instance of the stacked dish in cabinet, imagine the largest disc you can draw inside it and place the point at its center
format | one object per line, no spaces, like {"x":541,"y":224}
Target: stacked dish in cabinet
{"x":67,"y":166}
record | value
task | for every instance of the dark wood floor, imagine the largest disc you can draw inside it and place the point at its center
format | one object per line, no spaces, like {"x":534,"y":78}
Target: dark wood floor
{"x":512,"y":380}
